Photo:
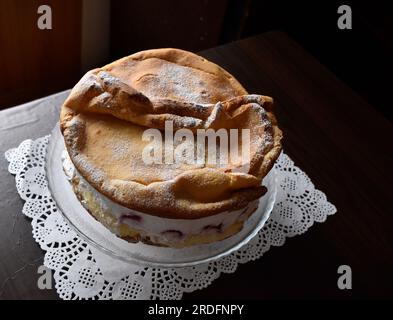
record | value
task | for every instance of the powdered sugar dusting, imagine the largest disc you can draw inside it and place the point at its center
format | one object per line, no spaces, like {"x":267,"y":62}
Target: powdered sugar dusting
{"x":83,"y":163}
{"x":120,"y":149}
{"x":181,"y":81}
{"x":109,"y":79}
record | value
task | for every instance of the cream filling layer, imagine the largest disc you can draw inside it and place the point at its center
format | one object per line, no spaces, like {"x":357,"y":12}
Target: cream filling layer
{"x":154,"y":225}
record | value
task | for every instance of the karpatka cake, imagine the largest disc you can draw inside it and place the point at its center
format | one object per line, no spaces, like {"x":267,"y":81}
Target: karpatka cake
{"x":174,"y":204}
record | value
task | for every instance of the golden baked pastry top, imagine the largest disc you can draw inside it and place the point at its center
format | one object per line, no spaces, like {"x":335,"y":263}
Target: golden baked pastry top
{"x":108,"y":110}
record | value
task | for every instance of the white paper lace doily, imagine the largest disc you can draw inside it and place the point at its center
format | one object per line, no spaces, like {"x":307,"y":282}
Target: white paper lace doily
{"x":83,"y":272}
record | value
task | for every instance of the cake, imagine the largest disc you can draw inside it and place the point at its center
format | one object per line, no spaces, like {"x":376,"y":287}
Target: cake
{"x":184,"y":194}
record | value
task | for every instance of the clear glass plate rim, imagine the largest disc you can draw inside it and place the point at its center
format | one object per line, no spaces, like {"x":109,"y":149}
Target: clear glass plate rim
{"x":56,"y":138}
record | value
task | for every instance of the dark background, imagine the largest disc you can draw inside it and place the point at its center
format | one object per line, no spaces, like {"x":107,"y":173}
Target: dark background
{"x":35,"y":63}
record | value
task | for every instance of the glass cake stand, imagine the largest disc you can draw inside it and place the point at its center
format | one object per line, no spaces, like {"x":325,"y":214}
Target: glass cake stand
{"x":139,"y":253}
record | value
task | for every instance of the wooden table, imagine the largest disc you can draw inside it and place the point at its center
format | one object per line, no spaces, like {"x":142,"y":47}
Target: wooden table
{"x":339,"y":140}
